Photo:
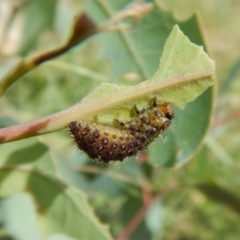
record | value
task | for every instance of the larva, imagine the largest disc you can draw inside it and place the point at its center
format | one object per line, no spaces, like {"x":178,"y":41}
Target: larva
{"x":108,"y":143}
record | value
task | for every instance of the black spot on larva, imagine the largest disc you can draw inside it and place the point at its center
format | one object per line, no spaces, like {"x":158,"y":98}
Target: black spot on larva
{"x":83,"y":133}
{"x":131,"y":145}
{"x":99,"y":148}
{"x":109,"y":143}
{"x":104,"y":141}
{"x":87,"y":128}
{"x":123,"y":146}
{"x":113,"y":145}
{"x":73,"y":127}
{"x":96,"y":134}
{"x":133,"y":128}
{"x":90,"y":140}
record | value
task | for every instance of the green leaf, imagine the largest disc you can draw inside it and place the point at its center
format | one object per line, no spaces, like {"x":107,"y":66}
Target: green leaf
{"x":232,"y":75}
{"x":192,"y":74}
{"x":12,"y":220}
{"x":33,"y":29}
{"x":29,"y":153}
{"x":60,"y":208}
{"x":185,"y":71}
{"x":83,"y":28}
{"x":221,"y":195}
{"x":136,"y":51}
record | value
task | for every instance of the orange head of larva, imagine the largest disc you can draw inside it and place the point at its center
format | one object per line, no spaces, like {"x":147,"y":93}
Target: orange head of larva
{"x":166,"y":108}
{"x":167,"y":115}
{"x":160,"y":115}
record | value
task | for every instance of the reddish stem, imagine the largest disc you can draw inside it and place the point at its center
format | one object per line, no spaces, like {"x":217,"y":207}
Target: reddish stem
{"x":134,"y":222}
{"x":139,"y":216}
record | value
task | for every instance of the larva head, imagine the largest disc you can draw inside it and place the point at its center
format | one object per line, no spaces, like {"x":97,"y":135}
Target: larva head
{"x":160,"y":115}
{"x":166,"y":108}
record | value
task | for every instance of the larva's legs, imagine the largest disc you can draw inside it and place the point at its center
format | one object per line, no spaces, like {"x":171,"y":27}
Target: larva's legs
{"x":137,"y":111}
{"x":120,"y":122}
{"x":155,"y":102}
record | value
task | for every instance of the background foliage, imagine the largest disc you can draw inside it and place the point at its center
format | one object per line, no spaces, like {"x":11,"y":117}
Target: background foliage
{"x":195,"y":199}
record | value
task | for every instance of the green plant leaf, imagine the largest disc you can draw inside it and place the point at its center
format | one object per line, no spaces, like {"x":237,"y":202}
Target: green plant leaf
{"x":233,"y":73}
{"x":60,"y":208}
{"x":29,"y":153}
{"x":136,"y":51}
{"x":83,"y":28}
{"x":220,"y":195}
{"x":33,"y":29}
{"x":184,"y":73}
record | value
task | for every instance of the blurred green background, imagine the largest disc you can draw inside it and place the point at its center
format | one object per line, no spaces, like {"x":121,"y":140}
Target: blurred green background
{"x":197,"y":199}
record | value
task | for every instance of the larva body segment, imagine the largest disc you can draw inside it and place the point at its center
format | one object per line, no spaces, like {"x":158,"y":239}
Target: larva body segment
{"x":108,"y":143}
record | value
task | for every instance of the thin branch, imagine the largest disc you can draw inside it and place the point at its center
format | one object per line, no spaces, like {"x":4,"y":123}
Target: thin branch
{"x":83,"y":28}
{"x":141,"y":213}
{"x":134,"y":222}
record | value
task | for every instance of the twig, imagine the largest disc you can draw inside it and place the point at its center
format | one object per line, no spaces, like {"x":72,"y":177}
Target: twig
{"x":134,"y":222}
{"x":83,"y":28}
{"x":139,"y":216}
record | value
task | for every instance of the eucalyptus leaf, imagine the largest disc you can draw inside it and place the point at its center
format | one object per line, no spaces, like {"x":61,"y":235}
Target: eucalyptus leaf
{"x":33,"y":29}
{"x":29,"y":153}
{"x":135,"y":51}
{"x":220,"y":194}
{"x":184,"y":73}
{"x":59,"y":208}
